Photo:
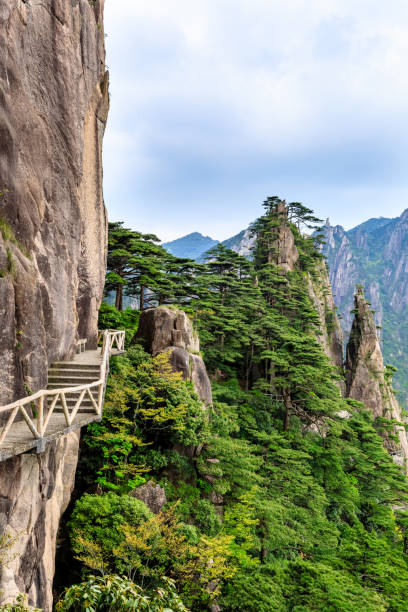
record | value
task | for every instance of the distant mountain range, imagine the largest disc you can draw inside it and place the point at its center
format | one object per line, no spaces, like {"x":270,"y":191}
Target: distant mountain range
{"x":196,"y":246}
{"x":190,"y":246}
{"x":373,"y":254}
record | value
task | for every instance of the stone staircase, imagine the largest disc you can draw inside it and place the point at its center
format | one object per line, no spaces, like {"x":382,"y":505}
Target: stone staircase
{"x":65,"y":374}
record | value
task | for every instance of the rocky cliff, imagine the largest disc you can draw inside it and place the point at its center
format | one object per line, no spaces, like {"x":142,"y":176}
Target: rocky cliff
{"x":375,"y":255}
{"x":165,"y":329}
{"x":284,"y":253}
{"x":366,"y":378}
{"x":34,"y":492}
{"x":330,"y":333}
{"x":54,"y":104}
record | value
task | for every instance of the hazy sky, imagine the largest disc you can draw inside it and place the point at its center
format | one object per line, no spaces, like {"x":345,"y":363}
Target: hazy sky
{"x":216,"y":104}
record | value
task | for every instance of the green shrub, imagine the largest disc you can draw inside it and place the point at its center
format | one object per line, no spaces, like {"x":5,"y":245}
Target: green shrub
{"x":95,"y":526}
{"x":116,"y":594}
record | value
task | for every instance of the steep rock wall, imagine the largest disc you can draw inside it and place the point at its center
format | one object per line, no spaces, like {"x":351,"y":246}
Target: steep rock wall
{"x":284,"y":252}
{"x":331,"y":335}
{"x":34,"y":493}
{"x":53,"y":109}
{"x":53,"y":92}
{"x":375,"y":255}
{"x":366,"y":376}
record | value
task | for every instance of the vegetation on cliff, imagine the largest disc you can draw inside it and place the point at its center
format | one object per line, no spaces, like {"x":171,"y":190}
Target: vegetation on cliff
{"x":275,"y":501}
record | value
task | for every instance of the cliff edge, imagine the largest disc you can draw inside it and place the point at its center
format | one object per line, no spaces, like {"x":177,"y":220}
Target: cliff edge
{"x":53,"y":231}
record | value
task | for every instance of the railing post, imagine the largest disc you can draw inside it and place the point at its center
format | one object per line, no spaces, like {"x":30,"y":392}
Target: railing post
{"x":105,"y":339}
{"x":101,"y":398}
{"x":40,"y":415}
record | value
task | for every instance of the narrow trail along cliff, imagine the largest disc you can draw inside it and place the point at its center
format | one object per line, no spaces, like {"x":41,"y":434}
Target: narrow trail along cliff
{"x":74,"y":398}
{"x":54,"y":105}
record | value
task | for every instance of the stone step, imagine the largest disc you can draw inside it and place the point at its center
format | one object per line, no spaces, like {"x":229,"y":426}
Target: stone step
{"x":53,"y":386}
{"x":78,"y":380}
{"x":68,"y":365}
{"x":83,"y":408}
{"x":72,"y":402}
{"x":86,"y":405}
{"x":72,"y":372}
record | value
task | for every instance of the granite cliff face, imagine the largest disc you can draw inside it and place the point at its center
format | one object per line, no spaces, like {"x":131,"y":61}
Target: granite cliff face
{"x":54,"y":104}
{"x":35,"y":491}
{"x":374,"y":254}
{"x":330,"y":333}
{"x":243,"y":243}
{"x":366,"y":378}
{"x":53,"y":89}
{"x":284,"y":253}
{"x":166,"y":329}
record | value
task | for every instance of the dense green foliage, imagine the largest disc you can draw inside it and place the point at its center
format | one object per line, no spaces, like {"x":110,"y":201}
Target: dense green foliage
{"x":139,"y":267}
{"x":286,"y":506}
{"x":116,"y":594}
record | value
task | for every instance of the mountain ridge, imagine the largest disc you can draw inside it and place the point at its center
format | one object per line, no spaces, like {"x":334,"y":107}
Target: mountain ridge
{"x":373,"y":254}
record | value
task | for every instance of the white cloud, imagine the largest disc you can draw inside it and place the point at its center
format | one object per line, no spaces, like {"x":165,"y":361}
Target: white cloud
{"x":245,"y":92}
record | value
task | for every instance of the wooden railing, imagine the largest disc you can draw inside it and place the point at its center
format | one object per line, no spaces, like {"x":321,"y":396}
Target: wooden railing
{"x":81,"y":345}
{"x":43,"y":403}
{"x":112,"y":337}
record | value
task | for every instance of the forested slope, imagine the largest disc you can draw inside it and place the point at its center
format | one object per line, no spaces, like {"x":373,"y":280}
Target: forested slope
{"x":280,"y":495}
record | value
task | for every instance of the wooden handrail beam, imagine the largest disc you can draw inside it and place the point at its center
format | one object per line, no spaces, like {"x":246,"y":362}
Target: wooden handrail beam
{"x":38,"y":425}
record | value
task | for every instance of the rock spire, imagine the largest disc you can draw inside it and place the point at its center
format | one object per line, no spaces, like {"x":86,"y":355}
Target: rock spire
{"x":367,"y":379}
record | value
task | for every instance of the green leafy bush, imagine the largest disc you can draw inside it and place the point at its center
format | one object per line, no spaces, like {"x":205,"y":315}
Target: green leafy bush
{"x":117,"y":594}
{"x":96,"y":523}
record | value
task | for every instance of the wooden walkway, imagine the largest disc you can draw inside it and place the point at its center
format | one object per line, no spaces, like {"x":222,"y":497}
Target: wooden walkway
{"x":74,"y":398}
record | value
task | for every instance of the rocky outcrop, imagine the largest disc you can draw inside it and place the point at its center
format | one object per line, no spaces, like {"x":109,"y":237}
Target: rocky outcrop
{"x":243,"y":243}
{"x":366,"y":377}
{"x":54,"y":104}
{"x":153,"y":495}
{"x":34,"y":493}
{"x":284,"y":252}
{"x":165,"y":329}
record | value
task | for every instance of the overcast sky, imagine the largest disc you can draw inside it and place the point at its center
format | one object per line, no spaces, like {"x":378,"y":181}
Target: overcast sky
{"x":216,"y":104}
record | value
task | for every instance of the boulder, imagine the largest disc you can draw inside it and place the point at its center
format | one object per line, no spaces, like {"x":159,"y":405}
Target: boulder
{"x":162,"y":327}
{"x":152,"y":495}
{"x":166,"y":329}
